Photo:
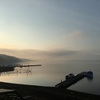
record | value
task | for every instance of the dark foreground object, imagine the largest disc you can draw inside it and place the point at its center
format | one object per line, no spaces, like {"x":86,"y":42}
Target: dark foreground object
{"x":7,"y":94}
{"x":48,"y":93}
{"x":71,"y":79}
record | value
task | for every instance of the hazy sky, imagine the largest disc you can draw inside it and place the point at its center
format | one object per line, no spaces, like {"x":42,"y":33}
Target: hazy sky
{"x":50,"y":24}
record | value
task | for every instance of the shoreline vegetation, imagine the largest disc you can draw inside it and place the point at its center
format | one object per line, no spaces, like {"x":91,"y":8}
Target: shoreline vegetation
{"x":48,"y":93}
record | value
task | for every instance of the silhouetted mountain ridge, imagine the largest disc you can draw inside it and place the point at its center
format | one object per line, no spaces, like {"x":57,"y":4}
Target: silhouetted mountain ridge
{"x":6,"y":59}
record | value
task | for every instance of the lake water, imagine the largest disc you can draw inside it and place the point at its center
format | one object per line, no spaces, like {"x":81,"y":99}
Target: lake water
{"x":50,"y":74}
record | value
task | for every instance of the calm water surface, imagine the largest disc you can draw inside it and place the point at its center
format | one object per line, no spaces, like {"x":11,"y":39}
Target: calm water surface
{"x":51,"y":74}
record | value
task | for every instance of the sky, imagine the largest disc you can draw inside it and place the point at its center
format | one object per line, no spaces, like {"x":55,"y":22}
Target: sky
{"x":50,"y":25}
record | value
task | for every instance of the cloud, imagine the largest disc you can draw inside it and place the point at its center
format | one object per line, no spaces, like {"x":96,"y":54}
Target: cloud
{"x":76,"y":35}
{"x":56,"y":53}
{"x":78,"y":40}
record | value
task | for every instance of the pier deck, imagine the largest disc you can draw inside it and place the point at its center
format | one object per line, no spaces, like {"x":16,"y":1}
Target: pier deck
{"x":70,"y":80}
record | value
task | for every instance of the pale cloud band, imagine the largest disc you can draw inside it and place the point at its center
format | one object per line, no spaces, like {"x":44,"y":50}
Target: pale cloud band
{"x":53,"y":55}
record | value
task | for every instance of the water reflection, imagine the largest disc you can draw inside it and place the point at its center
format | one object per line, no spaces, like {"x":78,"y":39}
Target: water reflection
{"x":18,"y":70}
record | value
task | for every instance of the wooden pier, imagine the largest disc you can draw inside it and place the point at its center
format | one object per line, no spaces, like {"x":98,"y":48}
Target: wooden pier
{"x":28,"y":65}
{"x":20,"y":65}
